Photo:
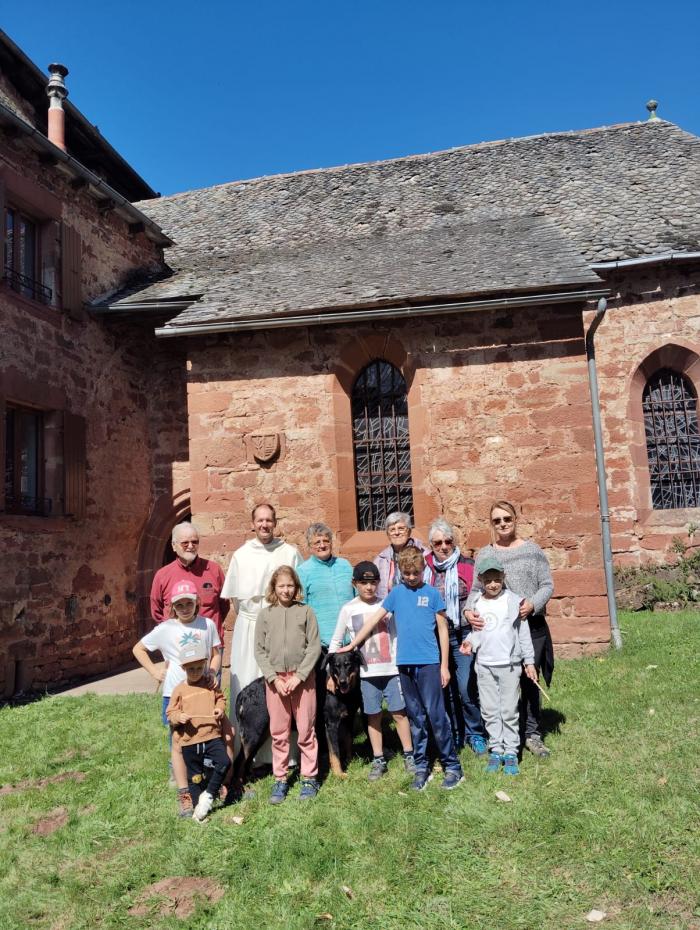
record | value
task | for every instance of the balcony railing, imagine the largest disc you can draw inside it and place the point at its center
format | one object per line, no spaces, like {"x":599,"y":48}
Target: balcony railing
{"x":27,"y":286}
{"x":34,"y":506}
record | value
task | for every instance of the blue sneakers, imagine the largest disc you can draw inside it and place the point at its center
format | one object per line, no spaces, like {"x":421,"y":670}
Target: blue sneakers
{"x":420,"y":780}
{"x":494,"y":763}
{"x":309,"y":789}
{"x":478,"y":744}
{"x":280,"y":789}
{"x":452,"y":778}
{"x":510,"y":764}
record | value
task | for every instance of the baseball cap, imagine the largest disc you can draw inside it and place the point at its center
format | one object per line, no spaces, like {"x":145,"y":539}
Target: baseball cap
{"x":183,"y":590}
{"x":365,"y":571}
{"x":193,"y":651}
{"x":489,"y":564}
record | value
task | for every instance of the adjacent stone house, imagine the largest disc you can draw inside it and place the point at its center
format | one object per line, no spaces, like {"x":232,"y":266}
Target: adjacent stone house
{"x":408,"y":334}
{"x":92,"y":430}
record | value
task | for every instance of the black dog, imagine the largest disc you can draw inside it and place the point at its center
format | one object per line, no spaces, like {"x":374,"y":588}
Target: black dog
{"x":341,"y":705}
{"x":253,"y":729}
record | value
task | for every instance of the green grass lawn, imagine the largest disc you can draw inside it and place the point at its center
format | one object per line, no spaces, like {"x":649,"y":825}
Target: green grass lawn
{"x":609,"y":822}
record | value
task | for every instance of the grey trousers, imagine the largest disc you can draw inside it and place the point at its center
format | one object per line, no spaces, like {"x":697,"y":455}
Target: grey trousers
{"x":499,"y":690}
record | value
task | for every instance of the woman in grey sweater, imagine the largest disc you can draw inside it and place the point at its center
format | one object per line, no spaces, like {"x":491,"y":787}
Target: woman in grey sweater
{"x":528,"y":575}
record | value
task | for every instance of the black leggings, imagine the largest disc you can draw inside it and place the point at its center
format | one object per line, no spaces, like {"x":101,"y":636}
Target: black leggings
{"x":207,"y":765}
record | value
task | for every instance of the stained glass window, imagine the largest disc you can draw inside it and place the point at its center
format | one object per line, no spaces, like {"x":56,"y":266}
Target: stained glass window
{"x":673,"y":443}
{"x":381,"y":445}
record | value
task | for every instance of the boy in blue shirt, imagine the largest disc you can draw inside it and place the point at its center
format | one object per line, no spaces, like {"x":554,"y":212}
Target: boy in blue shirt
{"x":423,"y":669}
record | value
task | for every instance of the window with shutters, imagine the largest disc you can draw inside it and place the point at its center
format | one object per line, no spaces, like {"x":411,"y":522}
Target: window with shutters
{"x":22,"y":255}
{"x":41,"y":256}
{"x":381,"y":447}
{"x":45,"y":462}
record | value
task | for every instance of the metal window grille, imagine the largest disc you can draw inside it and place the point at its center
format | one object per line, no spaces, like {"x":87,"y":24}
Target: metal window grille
{"x":381,"y":445}
{"x":673,"y":442}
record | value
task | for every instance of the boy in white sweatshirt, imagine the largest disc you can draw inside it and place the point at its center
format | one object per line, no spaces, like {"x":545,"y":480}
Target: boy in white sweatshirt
{"x":502,"y":648}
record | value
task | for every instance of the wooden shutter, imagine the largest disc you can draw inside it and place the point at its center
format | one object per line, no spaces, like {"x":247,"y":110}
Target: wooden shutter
{"x":71,"y":273}
{"x":74,"y":466}
{"x":3,"y":431}
{"x":2,"y":229}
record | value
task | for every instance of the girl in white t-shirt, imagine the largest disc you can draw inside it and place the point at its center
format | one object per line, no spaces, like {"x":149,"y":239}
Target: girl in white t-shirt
{"x":184,"y":627}
{"x":502,"y":648}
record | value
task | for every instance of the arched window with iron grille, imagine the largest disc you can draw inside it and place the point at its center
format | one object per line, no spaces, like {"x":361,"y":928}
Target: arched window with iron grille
{"x":381,"y":444}
{"x":669,"y":403}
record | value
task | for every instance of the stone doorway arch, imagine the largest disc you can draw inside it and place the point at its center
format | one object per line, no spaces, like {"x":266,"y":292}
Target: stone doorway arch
{"x":167,"y":512}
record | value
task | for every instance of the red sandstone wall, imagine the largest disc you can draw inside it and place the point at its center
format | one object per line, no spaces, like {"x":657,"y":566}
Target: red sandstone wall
{"x":498,"y":406}
{"x":653,"y":323}
{"x":67,"y":586}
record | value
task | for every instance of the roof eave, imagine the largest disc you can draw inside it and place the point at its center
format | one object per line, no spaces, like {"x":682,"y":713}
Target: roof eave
{"x":392,"y":312}
{"x":73,"y":167}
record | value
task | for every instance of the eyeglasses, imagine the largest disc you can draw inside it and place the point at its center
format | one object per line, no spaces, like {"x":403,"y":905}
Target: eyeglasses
{"x":187,"y":542}
{"x":504,"y":520}
{"x":442,"y":542}
{"x":398,"y":530}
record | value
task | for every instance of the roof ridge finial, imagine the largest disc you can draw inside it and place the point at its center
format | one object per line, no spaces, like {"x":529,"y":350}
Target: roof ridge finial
{"x":651,"y":107}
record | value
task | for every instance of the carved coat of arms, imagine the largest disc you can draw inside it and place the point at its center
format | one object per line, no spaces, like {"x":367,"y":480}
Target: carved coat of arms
{"x":264,"y":447}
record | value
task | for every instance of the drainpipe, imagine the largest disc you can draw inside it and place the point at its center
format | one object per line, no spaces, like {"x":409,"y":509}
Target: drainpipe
{"x":600,"y":467}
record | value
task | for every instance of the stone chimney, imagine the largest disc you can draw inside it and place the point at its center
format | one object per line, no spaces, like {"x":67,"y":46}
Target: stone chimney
{"x":57,"y":93}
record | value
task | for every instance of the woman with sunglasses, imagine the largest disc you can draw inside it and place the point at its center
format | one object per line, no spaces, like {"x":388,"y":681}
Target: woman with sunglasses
{"x":452,"y":574}
{"x":527,"y":574}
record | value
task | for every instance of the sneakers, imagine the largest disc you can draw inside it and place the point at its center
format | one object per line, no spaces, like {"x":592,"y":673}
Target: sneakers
{"x":478,"y":745}
{"x":510,"y":764}
{"x":420,"y":780}
{"x":279,"y":792}
{"x":204,"y":805}
{"x":452,"y":778}
{"x":185,"y":801}
{"x":409,"y":763}
{"x":309,"y":789}
{"x":377,"y":769}
{"x":535,"y":745}
{"x":494,"y":763}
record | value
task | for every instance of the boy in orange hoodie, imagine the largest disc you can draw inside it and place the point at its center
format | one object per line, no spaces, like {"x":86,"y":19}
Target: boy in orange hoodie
{"x":196,"y":710}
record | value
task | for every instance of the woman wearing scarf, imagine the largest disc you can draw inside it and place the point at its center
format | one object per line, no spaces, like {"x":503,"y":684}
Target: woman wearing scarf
{"x":452,"y":574}
{"x":398,"y":531}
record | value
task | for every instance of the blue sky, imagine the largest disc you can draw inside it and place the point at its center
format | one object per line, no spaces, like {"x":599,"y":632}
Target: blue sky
{"x":198,"y":94}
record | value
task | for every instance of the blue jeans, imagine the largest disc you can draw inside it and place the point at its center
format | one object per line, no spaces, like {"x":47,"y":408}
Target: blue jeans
{"x":425,"y":705}
{"x":463,"y":690}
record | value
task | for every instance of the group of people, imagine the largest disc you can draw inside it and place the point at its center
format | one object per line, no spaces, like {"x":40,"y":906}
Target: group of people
{"x":452,"y":646}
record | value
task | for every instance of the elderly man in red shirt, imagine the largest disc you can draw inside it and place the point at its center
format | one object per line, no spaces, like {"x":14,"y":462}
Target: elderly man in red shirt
{"x":206,"y":575}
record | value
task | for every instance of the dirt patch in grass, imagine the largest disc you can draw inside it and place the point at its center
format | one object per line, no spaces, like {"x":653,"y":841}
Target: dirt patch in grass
{"x":177,"y":896}
{"x":41,"y":782}
{"x":674,"y":909}
{"x":54,"y":821}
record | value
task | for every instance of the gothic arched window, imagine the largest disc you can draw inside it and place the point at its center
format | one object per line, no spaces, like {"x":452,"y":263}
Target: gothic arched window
{"x":669,"y":403}
{"x":381,"y":444}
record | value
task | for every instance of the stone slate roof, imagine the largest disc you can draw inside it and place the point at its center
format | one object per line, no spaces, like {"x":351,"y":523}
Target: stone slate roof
{"x":517,"y":215}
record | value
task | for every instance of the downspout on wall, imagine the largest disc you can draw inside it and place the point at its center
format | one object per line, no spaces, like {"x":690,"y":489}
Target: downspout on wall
{"x":600,"y":468}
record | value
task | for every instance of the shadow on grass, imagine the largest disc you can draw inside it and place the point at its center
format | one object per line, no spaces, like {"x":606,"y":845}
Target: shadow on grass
{"x":552,"y":720}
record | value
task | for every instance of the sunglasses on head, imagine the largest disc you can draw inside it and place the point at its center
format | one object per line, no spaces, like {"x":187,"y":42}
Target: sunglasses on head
{"x":498,"y":520}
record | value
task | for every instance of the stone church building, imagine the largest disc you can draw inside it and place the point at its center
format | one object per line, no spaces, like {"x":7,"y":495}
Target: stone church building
{"x":344,"y":342}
